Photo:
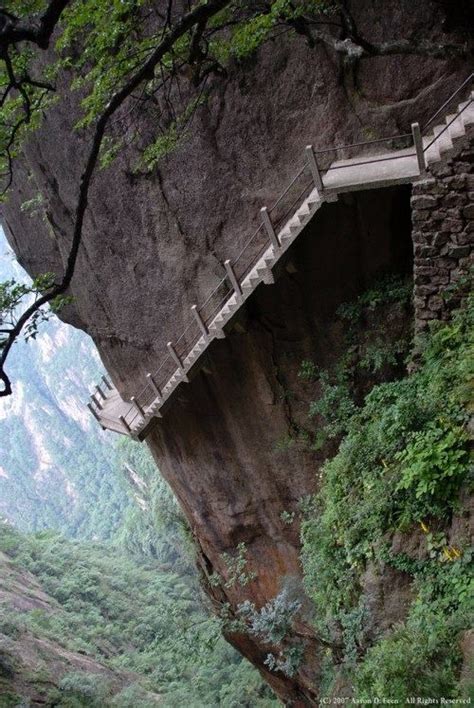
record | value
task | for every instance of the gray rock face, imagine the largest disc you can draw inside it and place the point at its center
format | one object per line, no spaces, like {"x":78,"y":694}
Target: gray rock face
{"x":154,"y":244}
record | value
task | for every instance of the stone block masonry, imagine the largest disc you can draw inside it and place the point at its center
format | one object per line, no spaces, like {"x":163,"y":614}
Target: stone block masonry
{"x":443,"y":233}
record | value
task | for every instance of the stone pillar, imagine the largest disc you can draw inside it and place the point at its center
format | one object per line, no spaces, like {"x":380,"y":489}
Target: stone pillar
{"x":443,"y":233}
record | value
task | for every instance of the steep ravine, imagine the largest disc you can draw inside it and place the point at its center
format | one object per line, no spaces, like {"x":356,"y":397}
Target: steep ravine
{"x":154,"y":245}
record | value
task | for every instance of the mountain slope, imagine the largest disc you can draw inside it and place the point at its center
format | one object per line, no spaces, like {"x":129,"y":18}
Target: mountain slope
{"x":84,"y":625}
{"x":57,"y":468}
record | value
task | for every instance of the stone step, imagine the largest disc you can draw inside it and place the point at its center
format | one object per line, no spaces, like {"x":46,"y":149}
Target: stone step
{"x":270,"y":255}
{"x":219,"y":320}
{"x":432,"y":154}
{"x":313,"y":201}
{"x":191,"y":358}
{"x":304,"y":210}
{"x":303,"y":214}
{"x":266,"y":275}
{"x":456,"y":127}
{"x":467,"y":108}
{"x":233,"y":305}
{"x":443,"y":138}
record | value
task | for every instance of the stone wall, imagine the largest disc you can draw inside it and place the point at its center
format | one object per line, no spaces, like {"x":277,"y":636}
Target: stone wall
{"x":443,"y":232}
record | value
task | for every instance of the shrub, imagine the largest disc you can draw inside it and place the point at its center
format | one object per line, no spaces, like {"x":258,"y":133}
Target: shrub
{"x":434,"y":461}
{"x":272,"y":622}
{"x":403,"y":459}
{"x":417,"y":659}
{"x":86,"y":688}
{"x":288,"y":662}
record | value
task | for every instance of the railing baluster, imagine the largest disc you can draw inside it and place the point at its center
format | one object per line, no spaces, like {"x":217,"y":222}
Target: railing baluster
{"x":267,"y":222}
{"x":201,"y":324}
{"x":313,"y":165}
{"x":177,"y":359}
{"x":124,"y":423}
{"x":137,"y":406}
{"x":96,"y":401}
{"x":233,"y":279}
{"x":418,"y":143}
{"x":93,"y":411}
{"x":107,"y":382}
{"x":152,"y":383}
{"x":100,"y":392}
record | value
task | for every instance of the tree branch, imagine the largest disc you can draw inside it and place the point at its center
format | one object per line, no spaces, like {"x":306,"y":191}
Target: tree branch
{"x":13,"y":30}
{"x":187,"y":22}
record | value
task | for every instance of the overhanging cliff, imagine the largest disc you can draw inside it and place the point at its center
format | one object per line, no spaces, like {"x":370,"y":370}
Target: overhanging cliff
{"x":154,"y":244}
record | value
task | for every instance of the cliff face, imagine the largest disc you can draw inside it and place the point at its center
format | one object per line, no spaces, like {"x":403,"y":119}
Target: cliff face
{"x":154,"y":245}
{"x":231,"y":445}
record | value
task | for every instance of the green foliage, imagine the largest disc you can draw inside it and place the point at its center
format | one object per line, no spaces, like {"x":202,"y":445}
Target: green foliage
{"x":133,"y":695}
{"x":33,"y":206}
{"x":11,"y":699}
{"x":372,"y":353}
{"x":13,"y":294}
{"x":419,"y":658}
{"x":169,"y":140}
{"x":160,"y":147}
{"x":162,"y":631}
{"x":250,"y":33}
{"x":403,"y":459}
{"x":273,"y":624}
{"x":308,"y":370}
{"x":391,"y":289}
{"x":273,"y":621}
{"x":352,"y":625}
{"x":83,"y":689}
{"x":287,"y":517}
{"x":434,"y":460}
{"x":288,"y":662}
{"x":335,"y":404}
{"x":285,"y":443}
{"x":237,"y":573}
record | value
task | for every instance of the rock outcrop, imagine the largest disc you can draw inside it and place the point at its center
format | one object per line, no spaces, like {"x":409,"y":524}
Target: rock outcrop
{"x":154,"y":244}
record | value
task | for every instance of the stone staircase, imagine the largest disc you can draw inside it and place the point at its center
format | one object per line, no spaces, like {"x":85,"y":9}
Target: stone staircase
{"x":364,"y":172}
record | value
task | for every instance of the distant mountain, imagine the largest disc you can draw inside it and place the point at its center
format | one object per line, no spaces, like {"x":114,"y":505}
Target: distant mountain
{"x":58,"y":469}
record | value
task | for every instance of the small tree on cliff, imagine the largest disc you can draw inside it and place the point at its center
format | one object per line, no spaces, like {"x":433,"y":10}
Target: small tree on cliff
{"x":126,"y":56}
